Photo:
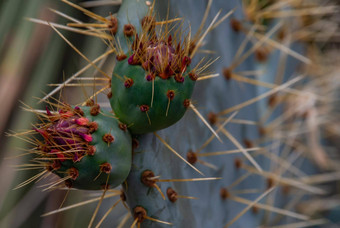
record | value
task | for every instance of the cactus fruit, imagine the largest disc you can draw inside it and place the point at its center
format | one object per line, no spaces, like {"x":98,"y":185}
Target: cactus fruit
{"x":87,"y":147}
{"x":152,"y":83}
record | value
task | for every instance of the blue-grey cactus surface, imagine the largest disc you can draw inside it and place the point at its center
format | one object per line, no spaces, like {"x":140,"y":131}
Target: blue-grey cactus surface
{"x":273,"y":107}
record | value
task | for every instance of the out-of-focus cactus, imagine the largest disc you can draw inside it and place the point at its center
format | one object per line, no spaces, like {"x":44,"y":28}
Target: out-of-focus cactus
{"x":268,"y":125}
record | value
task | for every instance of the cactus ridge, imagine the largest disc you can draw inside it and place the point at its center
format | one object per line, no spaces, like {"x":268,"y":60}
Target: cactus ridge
{"x":89,"y":149}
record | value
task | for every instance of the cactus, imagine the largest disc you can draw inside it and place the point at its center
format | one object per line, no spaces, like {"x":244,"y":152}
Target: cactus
{"x":152,"y":82}
{"x":85,"y":146}
{"x":261,"y":156}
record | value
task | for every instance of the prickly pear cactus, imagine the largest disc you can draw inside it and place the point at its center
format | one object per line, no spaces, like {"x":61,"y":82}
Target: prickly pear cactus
{"x":152,"y":82}
{"x":240,"y":171}
{"x":87,"y":147}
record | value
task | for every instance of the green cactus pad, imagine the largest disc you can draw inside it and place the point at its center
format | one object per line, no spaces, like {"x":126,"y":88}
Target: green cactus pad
{"x":92,"y":150}
{"x":145,"y":107}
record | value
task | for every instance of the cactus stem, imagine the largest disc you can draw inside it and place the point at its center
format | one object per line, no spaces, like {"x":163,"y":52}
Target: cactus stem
{"x":177,"y":154}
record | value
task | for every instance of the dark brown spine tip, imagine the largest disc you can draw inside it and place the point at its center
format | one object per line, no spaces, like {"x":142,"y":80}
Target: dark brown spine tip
{"x":129,"y":30}
{"x":238,"y":163}
{"x":212,"y":118}
{"x":224,"y":193}
{"x":122,"y":126}
{"x":90,"y":102}
{"x":172,"y":195}
{"x":255,"y":210}
{"x":235,"y":25}
{"x":270,"y":182}
{"x":261,"y":54}
{"x":113,"y":25}
{"x":262,"y":131}
{"x":122,"y":196}
{"x":105,"y":168}
{"x":186,"y":103}
{"x":93,"y":126}
{"x":108,"y":138}
{"x":128,"y":83}
{"x":121,"y":57}
{"x":191,"y":157}
{"x":170,"y":94}
{"x":145,"y":178}
{"x":272,"y":100}
{"x":248,"y":143}
{"x":68,"y":184}
{"x":109,"y":95}
{"x":95,"y":109}
{"x":73,"y":173}
{"x":227,"y":73}
{"x":193,"y":76}
{"x":91,"y":150}
{"x":139,"y":213}
{"x":144,"y":108}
